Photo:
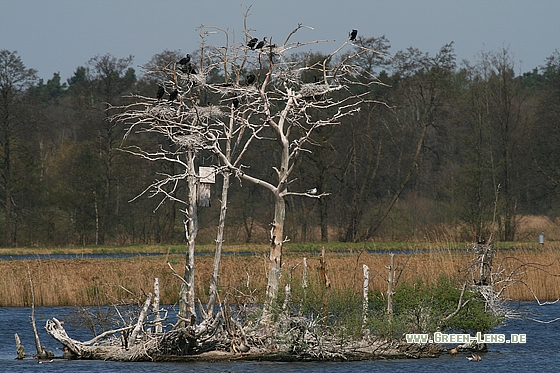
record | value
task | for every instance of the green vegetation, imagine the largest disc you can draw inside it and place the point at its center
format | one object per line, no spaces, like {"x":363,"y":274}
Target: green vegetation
{"x":423,"y":307}
{"x":418,"y":307}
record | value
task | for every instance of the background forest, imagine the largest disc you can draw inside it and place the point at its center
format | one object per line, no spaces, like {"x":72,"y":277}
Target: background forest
{"x":446,"y":147}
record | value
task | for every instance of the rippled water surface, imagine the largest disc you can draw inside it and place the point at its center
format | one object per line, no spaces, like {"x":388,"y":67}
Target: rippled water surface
{"x":541,"y":353}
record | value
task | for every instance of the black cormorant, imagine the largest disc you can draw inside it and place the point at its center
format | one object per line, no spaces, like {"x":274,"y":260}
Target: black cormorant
{"x":353,"y":35}
{"x":160,"y":92}
{"x":251,"y":79}
{"x":173,"y":95}
{"x":189,"y":68}
{"x":261,"y":43}
{"x":185,"y":60}
{"x":251,"y":44}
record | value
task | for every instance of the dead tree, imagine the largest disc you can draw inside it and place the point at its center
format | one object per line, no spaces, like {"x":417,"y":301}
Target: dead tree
{"x":254,"y":96}
{"x":275,"y":105}
{"x":182,"y":123}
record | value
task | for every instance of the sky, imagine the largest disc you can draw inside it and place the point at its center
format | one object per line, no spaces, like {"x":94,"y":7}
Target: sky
{"x":60,"y":35}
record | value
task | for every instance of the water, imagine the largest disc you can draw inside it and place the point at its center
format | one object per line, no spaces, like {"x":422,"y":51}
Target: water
{"x":208,"y":253}
{"x":541,"y":353}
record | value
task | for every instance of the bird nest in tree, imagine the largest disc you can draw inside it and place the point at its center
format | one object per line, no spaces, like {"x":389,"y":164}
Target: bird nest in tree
{"x":162,"y":111}
{"x":190,"y":141}
{"x":313,"y":89}
{"x":186,"y":78}
{"x":203,"y":113}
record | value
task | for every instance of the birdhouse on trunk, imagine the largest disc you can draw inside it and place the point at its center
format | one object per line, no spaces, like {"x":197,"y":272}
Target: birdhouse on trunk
{"x":207,"y":177}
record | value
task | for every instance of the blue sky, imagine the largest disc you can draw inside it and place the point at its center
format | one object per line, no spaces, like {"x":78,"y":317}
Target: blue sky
{"x":60,"y":35}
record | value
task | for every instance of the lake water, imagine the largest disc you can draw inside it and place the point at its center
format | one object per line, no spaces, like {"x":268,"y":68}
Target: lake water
{"x":541,"y":352}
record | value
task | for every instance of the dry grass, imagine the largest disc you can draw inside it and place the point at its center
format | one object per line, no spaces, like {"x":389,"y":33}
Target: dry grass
{"x":103,"y":281}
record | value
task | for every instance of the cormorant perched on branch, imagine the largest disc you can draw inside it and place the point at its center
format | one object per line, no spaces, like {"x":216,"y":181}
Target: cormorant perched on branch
{"x":173,"y":95}
{"x":251,"y":44}
{"x":251,"y":79}
{"x":185,"y":60}
{"x":353,"y":34}
{"x":261,"y":43}
{"x":189,"y":68}
{"x":160,"y":92}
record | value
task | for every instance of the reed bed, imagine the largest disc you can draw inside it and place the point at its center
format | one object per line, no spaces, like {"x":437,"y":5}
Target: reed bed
{"x":80,"y":282}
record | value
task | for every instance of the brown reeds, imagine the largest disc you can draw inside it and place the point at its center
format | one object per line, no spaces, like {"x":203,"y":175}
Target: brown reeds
{"x":78,"y":282}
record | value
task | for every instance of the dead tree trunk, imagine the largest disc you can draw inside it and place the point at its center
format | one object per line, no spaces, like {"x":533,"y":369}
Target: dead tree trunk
{"x":276,"y":243}
{"x":186,"y":296}
{"x":365,"y":290}
{"x":323,"y":269}
{"x":485,"y":252}
{"x":390,"y":288}
{"x":222,"y":223}
{"x":213,"y":293}
{"x":19,"y":348}
{"x":157,"y":317}
{"x":141,"y":319}
{"x":41,"y":352}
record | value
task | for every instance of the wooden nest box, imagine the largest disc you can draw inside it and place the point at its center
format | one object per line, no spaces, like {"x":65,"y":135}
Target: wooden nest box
{"x":207,"y":177}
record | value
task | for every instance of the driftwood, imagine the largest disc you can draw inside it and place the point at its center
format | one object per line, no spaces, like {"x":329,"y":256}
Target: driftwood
{"x":19,"y":348}
{"x":304,"y":344}
{"x":145,"y":339}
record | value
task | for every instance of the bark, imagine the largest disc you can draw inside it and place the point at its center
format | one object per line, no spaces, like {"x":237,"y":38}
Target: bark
{"x":19,"y":348}
{"x":38,"y":346}
{"x":276,"y":243}
{"x":390,"y":287}
{"x":157,"y":316}
{"x":323,"y":270}
{"x":141,"y":319}
{"x":213,"y":294}
{"x":186,"y":296}
{"x":365,"y":289}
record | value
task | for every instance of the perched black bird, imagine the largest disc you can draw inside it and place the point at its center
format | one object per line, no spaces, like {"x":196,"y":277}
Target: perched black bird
{"x":251,"y":44}
{"x":160,"y":92}
{"x":251,"y":79}
{"x":173,"y":95}
{"x":185,"y":60}
{"x":261,"y":43}
{"x":189,"y":68}
{"x":353,"y":35}
{"x":235,"y":103}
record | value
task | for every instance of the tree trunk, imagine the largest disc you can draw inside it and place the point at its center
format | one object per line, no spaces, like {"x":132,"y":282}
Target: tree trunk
{"x":157,"y":317}
{"x":390,"y":288}
{"x":219,"y":242}
{"x":186,"y":295}
{"x":276,"y":243}
{"x":324,"y":220}
{"x":365,"y":290}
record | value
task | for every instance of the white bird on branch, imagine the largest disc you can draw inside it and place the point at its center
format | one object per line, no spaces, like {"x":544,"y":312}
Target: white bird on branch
{"x":312,"y":191}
